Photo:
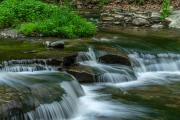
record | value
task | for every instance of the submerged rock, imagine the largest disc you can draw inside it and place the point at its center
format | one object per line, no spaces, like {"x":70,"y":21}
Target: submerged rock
{"x":115,"y":59}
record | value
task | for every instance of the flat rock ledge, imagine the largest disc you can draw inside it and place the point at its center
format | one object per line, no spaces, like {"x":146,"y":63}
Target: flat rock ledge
{"x":123,"y":18}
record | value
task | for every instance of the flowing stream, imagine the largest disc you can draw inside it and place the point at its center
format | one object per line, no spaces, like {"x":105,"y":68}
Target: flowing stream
{"x":146,"y":90}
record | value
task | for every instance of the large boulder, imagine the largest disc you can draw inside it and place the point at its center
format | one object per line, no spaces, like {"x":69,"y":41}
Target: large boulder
{"x":115,"y":59}
{"x":69,"y":60}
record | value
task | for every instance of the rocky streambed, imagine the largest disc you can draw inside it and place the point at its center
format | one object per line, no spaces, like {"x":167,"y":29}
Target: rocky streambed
{"x":126,"y":76}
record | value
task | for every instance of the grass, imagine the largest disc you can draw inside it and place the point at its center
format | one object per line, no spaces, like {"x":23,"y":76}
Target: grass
{"x":33,"y":17}
{"x":165,"y":9}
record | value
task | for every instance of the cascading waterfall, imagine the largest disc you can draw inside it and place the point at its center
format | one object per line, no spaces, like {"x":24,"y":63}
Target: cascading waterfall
{"x":25,"y":65}
{"x":153,"y":69}
{"x":158,"y":62}
{"x":59,"y":110}
{"x":108,"y":73}
{"x":149,"y":69}
{"x":17,"y":74}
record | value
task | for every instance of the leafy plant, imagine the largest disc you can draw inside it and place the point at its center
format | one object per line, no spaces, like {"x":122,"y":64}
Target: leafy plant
{"x":104,"y":2}
{"x":32,"y":17}
{"x":165,"y":9}
{"x":140,"y":2}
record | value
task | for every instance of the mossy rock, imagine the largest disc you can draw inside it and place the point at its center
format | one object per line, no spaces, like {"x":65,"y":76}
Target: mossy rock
{"x":24,"y":92}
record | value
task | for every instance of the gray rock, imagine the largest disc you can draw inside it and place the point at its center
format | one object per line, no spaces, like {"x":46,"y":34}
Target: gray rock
{"x":140,"y":22}
{"x":174,"y":19}
{"x":155,"y":17}
{"x":117,"y":23}
{"x":119,"y":17}
{"x":82,"y":77}
{"x":83,"y":74}
{"x":157,"y":26}
{"x":107,"y":18}
{"x":57,"y":44}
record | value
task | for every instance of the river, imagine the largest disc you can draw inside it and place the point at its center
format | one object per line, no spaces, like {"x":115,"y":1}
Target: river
{"x":149,"y":89}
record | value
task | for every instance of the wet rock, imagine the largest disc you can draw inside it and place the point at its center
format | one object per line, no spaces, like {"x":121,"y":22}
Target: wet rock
{"x":140,"y":22}
{"x":115,"y":59}
{"x":54,"y":62}
{"x":57,"y":44}
{"x":69,"y":60}
{"x":83,"y":74}
{"x":28,"y":92}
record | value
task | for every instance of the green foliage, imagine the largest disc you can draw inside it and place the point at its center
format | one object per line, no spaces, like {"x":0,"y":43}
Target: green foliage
{"x":140,"y":2}
{"x":35,"y":17}
{"x":165,"y":9}
{"x":104,"y":2}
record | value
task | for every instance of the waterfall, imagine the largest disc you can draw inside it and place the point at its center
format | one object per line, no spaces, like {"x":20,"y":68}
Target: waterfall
{"x":157,"y":62}
{"x":59,"y":110}
{"x":43,"y":101}
{"x":108,"y":73}
{"x":25,"y":65}
{"x":153,"y":69}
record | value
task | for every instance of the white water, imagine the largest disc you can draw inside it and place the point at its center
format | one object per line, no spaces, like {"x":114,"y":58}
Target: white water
{"x":26,"y":65}
{"x":108,"y":73}
{"x":97,"y":106}
{"x":57,"y":110}
{"x":150,"y":69}
{"x":159,"y":62}
{"x":62,"y":110}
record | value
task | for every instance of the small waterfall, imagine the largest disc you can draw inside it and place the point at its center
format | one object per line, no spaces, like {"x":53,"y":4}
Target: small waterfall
{"x":43,"y":101}
{"x":108,"y":73}
{"x":59,"y":110}
{"x":25,"y":65}
{"x":157,"y":62}
{"x":153,"y":69}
